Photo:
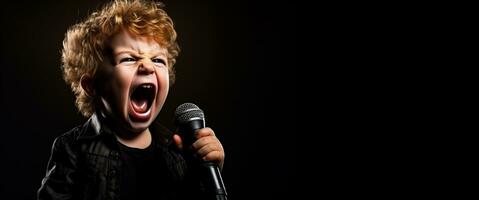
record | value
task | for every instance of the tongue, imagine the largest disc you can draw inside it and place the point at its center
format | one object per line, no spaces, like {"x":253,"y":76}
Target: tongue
{"x":140,"y":106}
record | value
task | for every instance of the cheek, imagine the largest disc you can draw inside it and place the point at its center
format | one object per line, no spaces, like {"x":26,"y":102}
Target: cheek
{"x":121,"y":83}
{"x":164,"y":84}
{"x":124,"y":78}
{"x":163,"y":79}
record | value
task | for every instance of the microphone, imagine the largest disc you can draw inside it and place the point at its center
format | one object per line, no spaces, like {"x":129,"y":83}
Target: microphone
{"x":188,"y":119}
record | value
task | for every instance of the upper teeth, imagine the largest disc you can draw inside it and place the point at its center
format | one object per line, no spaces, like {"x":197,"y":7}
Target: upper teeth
{"x":146,"y":86}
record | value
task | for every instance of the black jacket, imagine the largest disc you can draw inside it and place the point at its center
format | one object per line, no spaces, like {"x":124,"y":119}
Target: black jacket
{"x":85,"y":164}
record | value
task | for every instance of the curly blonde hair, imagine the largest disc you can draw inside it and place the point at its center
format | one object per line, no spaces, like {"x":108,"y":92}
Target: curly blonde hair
{"x":86,"y":43}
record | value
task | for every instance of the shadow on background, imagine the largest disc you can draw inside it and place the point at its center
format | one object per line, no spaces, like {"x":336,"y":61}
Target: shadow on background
{"x":238,"y":63}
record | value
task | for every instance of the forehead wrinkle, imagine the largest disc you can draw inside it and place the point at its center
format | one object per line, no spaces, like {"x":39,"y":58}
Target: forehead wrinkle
{"x":138,"y":44}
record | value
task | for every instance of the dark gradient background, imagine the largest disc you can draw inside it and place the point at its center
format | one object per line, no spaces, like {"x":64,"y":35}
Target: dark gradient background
{"x":238,"y":63}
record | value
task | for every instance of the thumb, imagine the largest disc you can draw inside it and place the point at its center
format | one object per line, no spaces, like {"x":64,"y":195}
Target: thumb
{"x":178,"y":141}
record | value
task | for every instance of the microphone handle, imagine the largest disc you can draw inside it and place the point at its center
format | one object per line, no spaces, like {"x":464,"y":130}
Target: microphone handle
{"x":209,"y":171}
{"x":213,"y":180}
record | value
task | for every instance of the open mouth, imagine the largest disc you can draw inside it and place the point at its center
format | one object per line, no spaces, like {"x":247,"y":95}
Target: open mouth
{"x":141,"y":100}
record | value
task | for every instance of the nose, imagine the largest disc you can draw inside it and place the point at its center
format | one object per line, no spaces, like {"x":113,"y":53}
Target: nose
{"x":146,"y":67}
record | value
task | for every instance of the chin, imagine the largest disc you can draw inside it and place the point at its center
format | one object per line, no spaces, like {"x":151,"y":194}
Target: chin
{"x":138,"y":127}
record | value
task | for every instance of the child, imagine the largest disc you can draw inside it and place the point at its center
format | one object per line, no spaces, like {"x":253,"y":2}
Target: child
{"x":119,"y":63}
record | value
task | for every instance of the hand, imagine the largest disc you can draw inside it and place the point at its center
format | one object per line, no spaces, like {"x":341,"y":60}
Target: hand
{"x":207,"y":146}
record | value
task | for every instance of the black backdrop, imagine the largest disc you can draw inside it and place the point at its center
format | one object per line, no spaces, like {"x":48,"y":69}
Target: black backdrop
{"x":238,"y":63}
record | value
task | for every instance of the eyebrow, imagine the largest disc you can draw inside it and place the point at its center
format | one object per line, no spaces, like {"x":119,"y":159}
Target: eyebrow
{"x":156,"y":53}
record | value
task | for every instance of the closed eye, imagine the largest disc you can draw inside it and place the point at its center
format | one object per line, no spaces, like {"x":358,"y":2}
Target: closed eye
{"x":128,"y":59}
{"x":159,"y":60}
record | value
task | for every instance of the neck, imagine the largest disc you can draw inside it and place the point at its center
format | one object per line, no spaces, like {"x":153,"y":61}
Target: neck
{"x":139,"y":140}
{"x":136,"y":140}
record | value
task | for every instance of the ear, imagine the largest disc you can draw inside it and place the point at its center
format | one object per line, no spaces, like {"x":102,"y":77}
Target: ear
{"x":86,"y":83}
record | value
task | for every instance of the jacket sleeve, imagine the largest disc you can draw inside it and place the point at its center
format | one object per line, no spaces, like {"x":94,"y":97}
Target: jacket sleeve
{"x":62,"y":171}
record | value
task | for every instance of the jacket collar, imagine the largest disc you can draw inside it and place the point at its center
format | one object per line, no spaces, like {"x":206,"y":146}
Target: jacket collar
{"x":94,"y":127}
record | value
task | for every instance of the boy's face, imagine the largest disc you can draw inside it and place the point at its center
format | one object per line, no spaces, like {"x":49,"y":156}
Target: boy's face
{"x":135,"y":82}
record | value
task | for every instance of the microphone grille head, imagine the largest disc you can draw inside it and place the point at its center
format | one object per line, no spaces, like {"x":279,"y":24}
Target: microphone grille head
{"x":187,"y":112}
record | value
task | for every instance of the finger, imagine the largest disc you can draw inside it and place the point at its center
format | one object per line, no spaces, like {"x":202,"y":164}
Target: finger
{"x":178,"y":141}
{"x":204,"y":132}
{"x":215,"y":156}
{"x":208,"y":148}
{"x":199,"y":143}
